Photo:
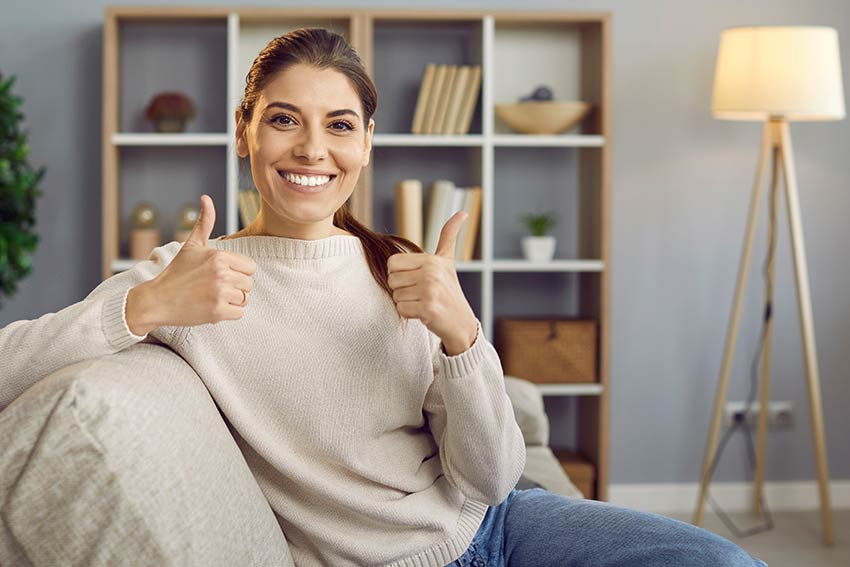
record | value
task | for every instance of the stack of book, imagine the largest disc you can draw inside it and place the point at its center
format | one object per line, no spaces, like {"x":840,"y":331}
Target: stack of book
{"x":447,"y":97}
{"x":445,"y":200}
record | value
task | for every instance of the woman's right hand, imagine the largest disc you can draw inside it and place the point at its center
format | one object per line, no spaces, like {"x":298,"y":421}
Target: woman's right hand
{"x":200,"y":285}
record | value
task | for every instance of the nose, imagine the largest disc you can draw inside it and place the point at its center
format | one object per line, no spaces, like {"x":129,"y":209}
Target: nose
{"x":311,"y":145}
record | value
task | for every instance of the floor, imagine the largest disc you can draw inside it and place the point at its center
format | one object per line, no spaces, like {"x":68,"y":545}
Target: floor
{"x":794,"y":541}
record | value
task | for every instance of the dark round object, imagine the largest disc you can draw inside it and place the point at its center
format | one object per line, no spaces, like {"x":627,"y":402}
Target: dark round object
{"x":542,"y":93}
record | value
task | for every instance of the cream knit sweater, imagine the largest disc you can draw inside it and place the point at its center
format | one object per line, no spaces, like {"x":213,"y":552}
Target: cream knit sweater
{"x":371,"y":445}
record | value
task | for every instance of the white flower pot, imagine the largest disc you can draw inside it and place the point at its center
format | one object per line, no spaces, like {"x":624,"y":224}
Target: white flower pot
{"x":538,"y":248}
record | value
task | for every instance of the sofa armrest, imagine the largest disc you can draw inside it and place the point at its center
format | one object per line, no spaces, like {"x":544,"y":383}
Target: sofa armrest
{"x":127,"y":457}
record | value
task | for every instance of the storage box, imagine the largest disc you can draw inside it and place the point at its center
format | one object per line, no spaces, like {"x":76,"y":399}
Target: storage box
{"x":547,"y":350}
{"x":582,"y":473}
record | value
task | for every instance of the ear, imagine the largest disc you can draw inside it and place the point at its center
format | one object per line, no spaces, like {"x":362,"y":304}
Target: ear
{"x":241,"y":141}
{"x":367,"y":151}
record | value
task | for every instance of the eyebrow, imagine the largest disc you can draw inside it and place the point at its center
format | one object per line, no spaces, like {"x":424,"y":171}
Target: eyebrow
{"x":293,"y":108}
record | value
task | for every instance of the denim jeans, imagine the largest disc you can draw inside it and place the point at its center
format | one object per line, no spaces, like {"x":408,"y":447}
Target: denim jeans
{"x":538,"y":528}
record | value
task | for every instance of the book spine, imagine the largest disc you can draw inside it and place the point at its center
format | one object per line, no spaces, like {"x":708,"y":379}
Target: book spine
{"x":469,"y":102}
{"x":433,"y":97}
{"x":408,"y":197}
{"x":422,"y":100}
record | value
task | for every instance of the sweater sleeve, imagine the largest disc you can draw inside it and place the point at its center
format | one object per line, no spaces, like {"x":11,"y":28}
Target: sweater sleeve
{"x":93,"y":327}
{"x":471,"y":418}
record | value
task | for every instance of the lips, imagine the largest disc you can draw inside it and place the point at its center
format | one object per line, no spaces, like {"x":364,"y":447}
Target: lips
{"x":306,"y":183}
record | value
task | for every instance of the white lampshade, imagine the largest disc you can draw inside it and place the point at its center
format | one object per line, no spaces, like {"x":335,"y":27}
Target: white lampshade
{"x":783,"y":72}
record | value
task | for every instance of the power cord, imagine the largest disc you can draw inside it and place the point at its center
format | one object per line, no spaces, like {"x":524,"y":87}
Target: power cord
{"x":741,"y":419}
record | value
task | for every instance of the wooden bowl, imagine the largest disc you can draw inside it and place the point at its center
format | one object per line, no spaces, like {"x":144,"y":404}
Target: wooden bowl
{"x":543,"y":116}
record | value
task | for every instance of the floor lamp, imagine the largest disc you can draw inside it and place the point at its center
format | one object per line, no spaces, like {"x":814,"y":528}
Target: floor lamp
{"x":776,"y":75}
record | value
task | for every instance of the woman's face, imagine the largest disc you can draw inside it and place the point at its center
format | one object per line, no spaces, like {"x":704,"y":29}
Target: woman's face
{"x":307,"y":143}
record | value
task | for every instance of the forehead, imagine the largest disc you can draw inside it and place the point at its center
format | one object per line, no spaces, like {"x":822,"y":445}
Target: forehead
{"x":311,"y":88}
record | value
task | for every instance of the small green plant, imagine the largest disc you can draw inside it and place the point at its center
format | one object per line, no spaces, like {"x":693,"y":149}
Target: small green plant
{"x":18,"y":192}
{"x":539,"y":224}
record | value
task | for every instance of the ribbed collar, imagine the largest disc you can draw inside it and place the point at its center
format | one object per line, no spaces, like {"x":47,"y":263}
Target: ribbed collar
{"x":294,"y":248}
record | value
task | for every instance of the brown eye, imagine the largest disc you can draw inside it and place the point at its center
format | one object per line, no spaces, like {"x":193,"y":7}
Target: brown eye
{"x":342,"y":125}
{"x":285,"y":120}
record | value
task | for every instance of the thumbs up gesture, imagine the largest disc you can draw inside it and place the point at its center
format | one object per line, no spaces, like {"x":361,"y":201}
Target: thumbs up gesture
{"x":200,"y":285}
{"x":426,"y":287}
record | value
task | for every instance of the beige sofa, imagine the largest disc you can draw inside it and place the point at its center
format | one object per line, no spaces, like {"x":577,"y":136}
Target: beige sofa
{"x":106,"y":463}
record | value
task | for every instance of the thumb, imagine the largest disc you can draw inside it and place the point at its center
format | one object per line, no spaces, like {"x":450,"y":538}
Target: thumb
{"x":204,"y":225}
{"x":448,"y":236}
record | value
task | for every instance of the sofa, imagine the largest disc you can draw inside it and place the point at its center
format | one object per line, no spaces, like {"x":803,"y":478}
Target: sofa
{"x":106,"y":463}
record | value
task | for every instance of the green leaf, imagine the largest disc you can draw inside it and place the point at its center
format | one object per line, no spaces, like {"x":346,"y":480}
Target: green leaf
{"x":18,"y":193}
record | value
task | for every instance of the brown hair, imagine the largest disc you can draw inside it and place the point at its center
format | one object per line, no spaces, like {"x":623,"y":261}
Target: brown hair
{"x":325,"y":49}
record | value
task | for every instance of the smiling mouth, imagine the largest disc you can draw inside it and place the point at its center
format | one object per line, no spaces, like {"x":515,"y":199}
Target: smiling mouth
{"x":307,"y":182}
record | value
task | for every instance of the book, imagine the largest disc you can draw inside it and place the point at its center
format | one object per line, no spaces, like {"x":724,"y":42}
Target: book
{"x":469,"y":231}
{"x":468,"y":106}
{"x":408,"y":210}
{"x":440,"y":202}
{"x":433,"y":96}
{"x":422,"y":99}
{"x":455,"y":100}
{"x":442,"y":100}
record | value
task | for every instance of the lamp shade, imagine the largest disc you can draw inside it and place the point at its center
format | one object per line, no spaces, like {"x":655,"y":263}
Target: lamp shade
{"x":782,"y":72}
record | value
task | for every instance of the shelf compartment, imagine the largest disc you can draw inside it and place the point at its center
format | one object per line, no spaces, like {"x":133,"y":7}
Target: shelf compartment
{"x":535,"y":180}
{"x":552,"y":294}
{"x":188,"y":56}
{"x":525,"y":54}
{"x":392,"y":164}
{"x":170,"y":178}
{"x":403,"y":47}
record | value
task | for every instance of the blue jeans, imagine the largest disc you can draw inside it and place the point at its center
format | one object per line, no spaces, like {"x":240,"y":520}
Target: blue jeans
{"x":538,"y":528}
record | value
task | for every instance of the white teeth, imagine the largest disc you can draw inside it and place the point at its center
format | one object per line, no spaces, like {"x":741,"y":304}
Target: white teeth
{"x":309,"y":181}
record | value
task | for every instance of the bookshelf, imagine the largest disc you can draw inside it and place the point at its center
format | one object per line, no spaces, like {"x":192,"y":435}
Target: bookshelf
{"x":206,"y":52}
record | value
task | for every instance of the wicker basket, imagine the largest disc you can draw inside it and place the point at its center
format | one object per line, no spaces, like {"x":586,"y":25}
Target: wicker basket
{"x":547,"y":350}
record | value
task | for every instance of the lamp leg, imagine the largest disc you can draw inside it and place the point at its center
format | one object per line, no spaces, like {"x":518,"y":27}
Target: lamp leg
{"x":732,"y":330}
{"x":805,"y":307}
{"x":764,"y":377}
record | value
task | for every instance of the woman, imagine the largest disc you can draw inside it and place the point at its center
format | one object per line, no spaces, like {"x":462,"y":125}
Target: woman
{"x":367,"y":402}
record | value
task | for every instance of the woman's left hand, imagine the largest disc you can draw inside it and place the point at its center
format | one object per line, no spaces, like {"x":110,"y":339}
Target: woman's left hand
{"x":426,"y":287}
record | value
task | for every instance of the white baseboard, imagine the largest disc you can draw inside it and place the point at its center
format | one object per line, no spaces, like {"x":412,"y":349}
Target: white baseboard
{"x":675,"y":498}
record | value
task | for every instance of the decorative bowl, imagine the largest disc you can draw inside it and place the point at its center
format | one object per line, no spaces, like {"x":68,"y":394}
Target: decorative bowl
{"x":543,"y":116}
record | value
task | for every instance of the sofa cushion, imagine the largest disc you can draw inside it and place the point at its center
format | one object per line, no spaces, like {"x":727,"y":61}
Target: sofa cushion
{"x":127,"y":459}
{"x":529,"y":411}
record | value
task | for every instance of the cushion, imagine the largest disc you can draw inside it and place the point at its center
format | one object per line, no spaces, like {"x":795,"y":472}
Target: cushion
{"x":127,"y":456}
{"x":529,"y":410}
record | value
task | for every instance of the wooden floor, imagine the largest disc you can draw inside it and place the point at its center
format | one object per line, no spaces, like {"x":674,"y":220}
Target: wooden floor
{"x":794,"y":541}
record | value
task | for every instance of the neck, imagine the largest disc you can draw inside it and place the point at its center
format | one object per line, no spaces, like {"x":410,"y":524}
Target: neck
{"x":264,"y":226}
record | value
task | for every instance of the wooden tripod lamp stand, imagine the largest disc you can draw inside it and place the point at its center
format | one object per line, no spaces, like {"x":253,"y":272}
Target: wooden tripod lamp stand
{"x":776,"y":75}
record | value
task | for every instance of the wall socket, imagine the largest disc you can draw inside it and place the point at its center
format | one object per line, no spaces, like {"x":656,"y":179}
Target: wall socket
{"x":779,"y":415}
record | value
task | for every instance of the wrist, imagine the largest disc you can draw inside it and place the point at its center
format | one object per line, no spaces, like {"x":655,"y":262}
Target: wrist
{"x":454,"y":346}
{"x":139,"y":311}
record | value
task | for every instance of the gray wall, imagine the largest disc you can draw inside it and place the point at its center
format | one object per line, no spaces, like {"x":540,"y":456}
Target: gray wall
{"x":681,"y":184}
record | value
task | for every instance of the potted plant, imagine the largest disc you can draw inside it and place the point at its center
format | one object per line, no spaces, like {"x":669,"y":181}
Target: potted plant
{"x":169,"y":111}
{"x":540,"y":246}
{"x":18,"y":192}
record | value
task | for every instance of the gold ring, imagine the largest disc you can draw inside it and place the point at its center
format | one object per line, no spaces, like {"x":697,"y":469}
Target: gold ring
{"x":244,"y":298}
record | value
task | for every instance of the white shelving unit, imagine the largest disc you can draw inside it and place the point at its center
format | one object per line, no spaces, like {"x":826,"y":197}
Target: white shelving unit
{"x":517,"y":51}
